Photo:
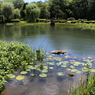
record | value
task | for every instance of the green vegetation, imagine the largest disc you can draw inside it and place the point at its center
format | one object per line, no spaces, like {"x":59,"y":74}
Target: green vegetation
{"x":52,"y":9}
{"x":14,"y":56}
{"x":86,"y":87}
{"x":32,"y":12}
{"x":7,"y":10}
{"x":17,"y":13}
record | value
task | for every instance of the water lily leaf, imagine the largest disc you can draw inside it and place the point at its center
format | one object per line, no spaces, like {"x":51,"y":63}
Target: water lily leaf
{"x":72,"y":67}
{"x":33,"y":68}
{"x":71,"y":74}
{"x":92,"y":70}
{"x":51,"y":67}
{"x":68,"y":69}
{"x":78,"y":72}
{"x":23,"y":72}
{"x":63,"y":66}
{"x":28,"y":66}
{"x":20,"y":77}
{"x":43,"y":75}
{"x":44,"y":70}
{"x":10,"y":76}
{"x":85,"y":69}
{"x":32,"y":75}
{"x":45,"y":67}
{"x":28,"y":70}
{"x":58,"y":64}
{"x":75,"y":70}
{"x":50,"y":63}
{"x":31,"y":63}
{"x":60,"y":74}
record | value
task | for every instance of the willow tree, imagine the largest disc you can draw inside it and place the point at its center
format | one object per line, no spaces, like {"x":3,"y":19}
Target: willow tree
{"x":32,"y":12}
{"x":17,"y":13}
{"x":7,"y":10}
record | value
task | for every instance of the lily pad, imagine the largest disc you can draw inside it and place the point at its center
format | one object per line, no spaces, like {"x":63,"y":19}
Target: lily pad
{"x":60,"y":74}
{"x":43,"y":75}
{"x":10,"y":76}
{"x":23,"y":72}
{"x":28,"y":70}
{"x":32,"y":75}
{"x":72,"y":67}
{"x":71,"y":74}
{"x":92,"y":70}
{"x":51,"y":67}
{"x":63,"y":66}
{"x":44,"y":70}
{"x":20,"y":77}
{"x":50,"y":63}
{"x":85,"y":69}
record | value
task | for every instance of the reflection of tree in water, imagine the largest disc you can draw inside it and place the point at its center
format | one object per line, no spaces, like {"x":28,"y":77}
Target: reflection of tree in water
{"x":10,"y":32}
{"x":18,"y":32}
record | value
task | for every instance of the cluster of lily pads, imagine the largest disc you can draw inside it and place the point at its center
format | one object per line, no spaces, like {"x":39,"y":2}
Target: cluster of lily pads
{"x":73,"y":65}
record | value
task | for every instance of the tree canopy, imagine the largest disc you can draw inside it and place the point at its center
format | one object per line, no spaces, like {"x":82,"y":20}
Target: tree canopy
{"x":32,"y":12}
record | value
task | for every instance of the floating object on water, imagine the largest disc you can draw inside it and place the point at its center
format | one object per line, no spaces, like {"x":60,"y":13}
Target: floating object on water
{"x":58,"y":52}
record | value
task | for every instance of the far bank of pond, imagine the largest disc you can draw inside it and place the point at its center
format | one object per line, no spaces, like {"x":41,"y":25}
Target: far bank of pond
{"x":82,"y":26}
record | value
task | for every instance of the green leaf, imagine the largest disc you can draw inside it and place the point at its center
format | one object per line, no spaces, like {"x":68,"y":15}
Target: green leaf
{"x":51,"y":67}
{"x":44,"y":70}
{"x":20,"y":77}
{"x":10,"y":76}
{"x":71,"y":74}
{"x":23,"y":72}
{"x":43,"y":75}
{"x":92,"y":70}
{"x":60,"y":74}
{"x":32,"y":75}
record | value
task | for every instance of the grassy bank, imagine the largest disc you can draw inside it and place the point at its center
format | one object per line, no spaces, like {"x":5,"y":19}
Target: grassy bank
{"x":81,"y":26}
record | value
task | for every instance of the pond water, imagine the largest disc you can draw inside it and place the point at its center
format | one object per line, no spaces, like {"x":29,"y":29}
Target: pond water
{"x":78,"y":43}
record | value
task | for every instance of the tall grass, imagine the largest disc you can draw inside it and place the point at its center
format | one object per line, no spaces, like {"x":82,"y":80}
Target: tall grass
{"x":86,"y":87}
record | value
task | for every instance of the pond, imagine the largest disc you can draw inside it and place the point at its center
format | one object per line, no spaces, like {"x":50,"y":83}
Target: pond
{"x":80,"y":45}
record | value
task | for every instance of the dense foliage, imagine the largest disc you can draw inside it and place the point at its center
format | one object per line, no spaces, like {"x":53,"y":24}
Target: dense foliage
{"x":13,"y":56}
{"x":7,"y":10}
{"x":32,"y":12}
{"x":56,"y":9}
{"x":17,"y":13}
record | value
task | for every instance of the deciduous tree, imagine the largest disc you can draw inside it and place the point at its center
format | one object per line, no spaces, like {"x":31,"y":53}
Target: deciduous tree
{"x":32,"y":12}
{"x":7,"y":10}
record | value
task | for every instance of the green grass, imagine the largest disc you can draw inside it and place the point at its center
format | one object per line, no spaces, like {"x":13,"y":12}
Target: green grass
{"x":85,"y":88}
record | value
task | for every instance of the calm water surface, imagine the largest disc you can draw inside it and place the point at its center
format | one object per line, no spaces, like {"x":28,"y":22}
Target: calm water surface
{"x":78,"y":43}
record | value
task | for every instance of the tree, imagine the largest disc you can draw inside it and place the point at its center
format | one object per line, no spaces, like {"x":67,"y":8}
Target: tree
{"x":23,"y":11}
{"x":17,"y":13}
{"x":18,"y":3}
{"x":7,"y":10}
{"x":58,"y":8}
{"x":0,"y":7}
{"x":32,"y":12}
{"x":80,"y":8}
{"x":44,"y":13}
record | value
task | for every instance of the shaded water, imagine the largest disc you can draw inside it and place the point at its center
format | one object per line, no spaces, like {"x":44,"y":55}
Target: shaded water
{"x":78,"y":43}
